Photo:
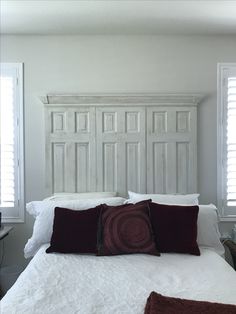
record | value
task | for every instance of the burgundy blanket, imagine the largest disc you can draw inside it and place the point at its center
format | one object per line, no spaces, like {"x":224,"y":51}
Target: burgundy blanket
{"x":159,"y":304}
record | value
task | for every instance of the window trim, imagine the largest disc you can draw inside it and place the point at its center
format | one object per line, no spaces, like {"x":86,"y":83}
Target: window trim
{"x":222,"y":68}
{"x":19,"y":214}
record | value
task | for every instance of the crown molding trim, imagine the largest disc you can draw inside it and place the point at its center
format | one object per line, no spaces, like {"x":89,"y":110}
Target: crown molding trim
{"x":123,"y":99}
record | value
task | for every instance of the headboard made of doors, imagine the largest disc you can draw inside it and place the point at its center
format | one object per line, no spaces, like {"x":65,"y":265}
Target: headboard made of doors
{"x":142,"y":143}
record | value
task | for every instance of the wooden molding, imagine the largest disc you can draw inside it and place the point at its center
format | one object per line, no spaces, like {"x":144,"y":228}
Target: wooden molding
{"x":123,"y":99}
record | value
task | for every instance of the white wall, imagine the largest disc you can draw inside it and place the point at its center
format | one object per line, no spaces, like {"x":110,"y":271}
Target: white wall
{"x":93,"y":64}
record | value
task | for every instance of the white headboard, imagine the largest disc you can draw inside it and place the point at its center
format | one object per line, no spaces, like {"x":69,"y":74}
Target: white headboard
{"x":143,"y":143}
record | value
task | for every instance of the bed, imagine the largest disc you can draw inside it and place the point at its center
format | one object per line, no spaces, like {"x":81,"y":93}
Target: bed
{"x":70,"y":283}
{"x":87,"y":284}
{"x":144,"y":143}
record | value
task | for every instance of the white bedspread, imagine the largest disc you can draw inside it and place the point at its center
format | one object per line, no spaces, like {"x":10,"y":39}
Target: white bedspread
{"x":66,"y":284}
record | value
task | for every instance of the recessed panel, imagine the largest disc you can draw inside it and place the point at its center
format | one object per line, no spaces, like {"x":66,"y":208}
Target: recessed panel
{"x":159,"y":167}
{"x":132,"y":120}
{"x":182,"y":121}
{"x":58,"y":167}
{"x":109,"y":122}
{"x":159,"y":122}
{"x":82,"y":122}
{"x":133,"y":166}
{"x":58,"y":122}
{"x":82,"y":167}
{"x":182,"y":152}
{"x":110,"y":167}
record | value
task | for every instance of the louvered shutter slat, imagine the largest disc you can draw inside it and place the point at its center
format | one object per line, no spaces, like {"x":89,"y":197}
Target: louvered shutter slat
{"x":7,"y":184}
{"x":231,"y":142}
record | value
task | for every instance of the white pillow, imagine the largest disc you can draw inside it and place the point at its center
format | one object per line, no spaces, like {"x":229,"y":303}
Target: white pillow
{"x":43,"y":211}
{"x":208,"y":235}
{"x":169,"y":199}
{"x":77,"y":196}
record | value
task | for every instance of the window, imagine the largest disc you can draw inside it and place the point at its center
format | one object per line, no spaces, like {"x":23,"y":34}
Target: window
{"x":11,"y":139}
{"x":227,"y":139}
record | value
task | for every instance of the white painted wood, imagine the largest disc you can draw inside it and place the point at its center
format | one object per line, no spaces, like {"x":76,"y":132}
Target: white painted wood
{"x":109,"y":167}
{"x":142,"y":147}
{"x":224,"y":70}
{"x":59,"y":166}
{"x":137,"y":99}
{"x":121,"y":150}
{"x":182,"y":166}
{"x":82,"y":167}
{"x":171,"y":150}
{"x":70,"y":149}
{"x":158,"y":167}
{"x":133,"y":166}
{"x":16,"y":214}
{"x":58,"y":121}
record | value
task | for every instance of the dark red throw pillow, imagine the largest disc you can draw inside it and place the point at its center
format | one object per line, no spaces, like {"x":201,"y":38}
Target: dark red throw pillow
{"x":126,"y":229}
{"x":157,"y":303}
{"x":75,"y":231}
{"x":175,"y":228}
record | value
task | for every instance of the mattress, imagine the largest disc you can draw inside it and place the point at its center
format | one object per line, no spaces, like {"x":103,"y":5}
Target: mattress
{"x":70,"y":283}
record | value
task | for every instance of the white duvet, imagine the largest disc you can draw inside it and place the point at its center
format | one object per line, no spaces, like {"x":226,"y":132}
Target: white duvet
{"x":69,"y":284}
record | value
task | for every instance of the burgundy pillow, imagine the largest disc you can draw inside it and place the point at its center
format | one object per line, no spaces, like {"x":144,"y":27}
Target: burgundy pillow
{"x":126,"y":229}
{"x":75,"y":231}
{"x":175,"y":228}
{"x":157,"y":303}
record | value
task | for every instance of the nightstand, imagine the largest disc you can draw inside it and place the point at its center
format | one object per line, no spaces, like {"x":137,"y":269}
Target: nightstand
{"x":4,"y":230}
{"x":232,"y":248}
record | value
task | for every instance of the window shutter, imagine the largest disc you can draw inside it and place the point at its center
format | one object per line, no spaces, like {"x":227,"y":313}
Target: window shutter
{"x":11,"y":139}
{"x":231,"y":141}
{"x":7,"y":175}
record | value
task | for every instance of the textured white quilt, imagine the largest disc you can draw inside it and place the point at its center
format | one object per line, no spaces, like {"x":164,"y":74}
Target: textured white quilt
{"x":66,"y":284}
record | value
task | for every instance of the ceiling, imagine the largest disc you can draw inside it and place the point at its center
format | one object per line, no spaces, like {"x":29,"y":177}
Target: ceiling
{"x":118,"y":17}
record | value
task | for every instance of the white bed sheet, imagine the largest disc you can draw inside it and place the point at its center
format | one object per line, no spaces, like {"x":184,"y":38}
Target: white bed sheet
{"x":60,"y":283}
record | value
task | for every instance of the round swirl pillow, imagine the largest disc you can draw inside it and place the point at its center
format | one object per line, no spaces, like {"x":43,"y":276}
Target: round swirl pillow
{"x":126,"y":229}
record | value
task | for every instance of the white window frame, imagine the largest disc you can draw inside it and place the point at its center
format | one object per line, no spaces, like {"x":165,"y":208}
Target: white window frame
{"x":16,"y":214}
{"x":224,"y":70}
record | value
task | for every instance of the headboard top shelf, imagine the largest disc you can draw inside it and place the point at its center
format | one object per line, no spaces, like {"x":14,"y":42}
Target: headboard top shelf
{"x":177,"y":99}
